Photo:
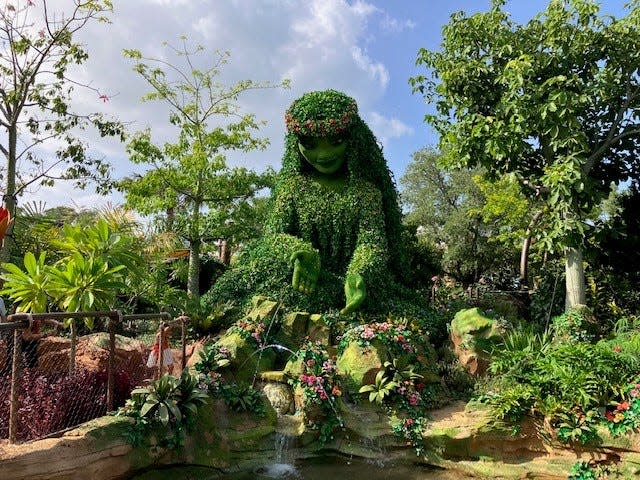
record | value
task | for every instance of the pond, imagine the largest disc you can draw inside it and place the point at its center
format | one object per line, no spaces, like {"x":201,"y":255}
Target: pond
{"x":327,"y":468}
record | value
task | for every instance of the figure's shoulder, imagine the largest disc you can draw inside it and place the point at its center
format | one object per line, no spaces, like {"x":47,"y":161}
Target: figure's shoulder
{"x":363,"y":186}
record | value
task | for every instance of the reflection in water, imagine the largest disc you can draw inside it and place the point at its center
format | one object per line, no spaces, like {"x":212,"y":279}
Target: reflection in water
{"x":339,"y":468}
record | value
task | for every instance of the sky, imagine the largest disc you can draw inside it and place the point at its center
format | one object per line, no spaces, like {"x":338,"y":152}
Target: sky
{"x":365,"y":48}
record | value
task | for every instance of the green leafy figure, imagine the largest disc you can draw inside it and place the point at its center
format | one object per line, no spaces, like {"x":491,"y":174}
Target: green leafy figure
{"x":332,"y":240}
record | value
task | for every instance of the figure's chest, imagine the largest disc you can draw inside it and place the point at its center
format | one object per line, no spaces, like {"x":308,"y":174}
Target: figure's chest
{"x":335,"y":209}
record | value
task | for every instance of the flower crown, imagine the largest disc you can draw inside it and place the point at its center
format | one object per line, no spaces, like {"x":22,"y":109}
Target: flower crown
{"x":321,"y":114}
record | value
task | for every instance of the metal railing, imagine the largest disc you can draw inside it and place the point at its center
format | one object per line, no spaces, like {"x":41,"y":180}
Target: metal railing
{"x":17,"y":323}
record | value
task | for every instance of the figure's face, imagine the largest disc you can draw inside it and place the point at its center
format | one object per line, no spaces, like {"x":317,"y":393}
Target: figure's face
{"x":325,"y":154}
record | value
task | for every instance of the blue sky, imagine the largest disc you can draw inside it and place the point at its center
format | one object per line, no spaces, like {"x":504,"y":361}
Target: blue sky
{"x":366,"y":48}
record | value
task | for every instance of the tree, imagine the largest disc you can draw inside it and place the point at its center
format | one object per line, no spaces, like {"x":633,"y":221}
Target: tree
{"x":448,"y":206}
{"x":190,"y":177}
{"x":35,"y":98}
{"x":555,"y":101}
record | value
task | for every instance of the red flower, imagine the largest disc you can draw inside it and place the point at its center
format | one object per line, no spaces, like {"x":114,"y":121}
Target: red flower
{"x":5,"y":221}
{"x":622,"y":406}
{"x":617,"y":349}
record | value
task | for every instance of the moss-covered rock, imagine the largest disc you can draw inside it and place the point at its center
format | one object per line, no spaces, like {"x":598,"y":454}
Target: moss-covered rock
{"x":358,"y":365}
{"x":246,"y":359}
{"x":472,"y":333}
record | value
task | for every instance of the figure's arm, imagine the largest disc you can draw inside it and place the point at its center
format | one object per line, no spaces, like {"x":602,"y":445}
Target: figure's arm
{"x":282,"y":228}
{"x":369,"y":260}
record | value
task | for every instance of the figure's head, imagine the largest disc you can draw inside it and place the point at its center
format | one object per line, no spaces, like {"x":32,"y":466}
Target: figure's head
{"x":320,"y":123}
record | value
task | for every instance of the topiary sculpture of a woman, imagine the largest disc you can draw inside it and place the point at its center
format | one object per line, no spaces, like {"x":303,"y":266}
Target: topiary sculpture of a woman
{"x":333,"y":237}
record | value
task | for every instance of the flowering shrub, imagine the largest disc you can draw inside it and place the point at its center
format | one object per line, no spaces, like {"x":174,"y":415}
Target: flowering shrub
{"x":624,"y":416}
{"x":397,"y":337}
{"x":251,"y":330}
{"x":319,"y":383}
{"x":411,"y":428}
{"x":398,"y":387}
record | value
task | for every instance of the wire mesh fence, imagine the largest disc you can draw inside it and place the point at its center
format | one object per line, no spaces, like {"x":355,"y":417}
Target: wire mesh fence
{"x":56,"y":372}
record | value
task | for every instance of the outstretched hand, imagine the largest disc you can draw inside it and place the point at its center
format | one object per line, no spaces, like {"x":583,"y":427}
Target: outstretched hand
{"x":355,"y":291}
{"x":306,"y":270}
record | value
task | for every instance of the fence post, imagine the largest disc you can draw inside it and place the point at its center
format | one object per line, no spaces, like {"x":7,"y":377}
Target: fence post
{"x":112,"y":361}
{"x":183,"y":323}
{"x":161,"y":349}
{"x":15,"y":385}
{"x":72,"y":346}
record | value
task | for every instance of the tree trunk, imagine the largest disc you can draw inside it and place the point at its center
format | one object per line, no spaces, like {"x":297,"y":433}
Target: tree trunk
{"x":574,"y":270}
{"x":9,"y":199}
{"x":526,"y":244}
{"x":193,"y":280}
{"x":193,"y":276}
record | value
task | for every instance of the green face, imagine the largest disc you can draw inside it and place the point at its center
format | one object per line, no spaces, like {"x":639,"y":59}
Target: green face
{"x":325,"y":154}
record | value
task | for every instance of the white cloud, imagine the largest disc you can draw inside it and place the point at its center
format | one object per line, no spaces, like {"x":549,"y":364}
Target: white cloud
{"x":393,"y":25}
{"x":375,"y":70}
{"x":387,"y":128}
{"x":318,"y":44}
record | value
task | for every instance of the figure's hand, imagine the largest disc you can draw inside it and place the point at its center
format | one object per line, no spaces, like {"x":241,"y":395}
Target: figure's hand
{"x":355,"y":291}
{"x":306,"y":270}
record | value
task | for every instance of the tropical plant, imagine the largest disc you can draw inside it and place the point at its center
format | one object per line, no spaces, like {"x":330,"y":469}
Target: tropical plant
{"x":188,"y":179}
{"x":27,"y":288}
{"x":212,"y":357}
{"x":381,"y":389}
{"x":38,"y":51}
{"x":243,"y":398}
{"x":170,"y":403}
{"x":561,"y":116}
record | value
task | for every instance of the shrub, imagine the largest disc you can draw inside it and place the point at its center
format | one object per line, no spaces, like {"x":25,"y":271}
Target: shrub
{"x":167,"y":406}
{"x":565,"y":382}
{"x":50,"y":403}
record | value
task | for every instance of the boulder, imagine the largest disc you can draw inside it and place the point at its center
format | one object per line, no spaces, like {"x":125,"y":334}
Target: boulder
{"x":472,"y":333}
{"x":358,"y":365}
{"x":245,"y":357}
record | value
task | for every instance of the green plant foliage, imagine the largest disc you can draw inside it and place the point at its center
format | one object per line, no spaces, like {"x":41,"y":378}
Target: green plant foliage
{"x":243,"y":398}
{"x":564,"y":381}
{"x":168,"y":404}
{"x":355,"y":228}
{"x":519,"y":99}
{"x":382,"y":387}
{"x":319,"y":383}
{"x":592,"y":471}
{"x":212,"y":357}
{"x":27,"y":288}
{"x":189,"y":176}
{"x":94,"y":264}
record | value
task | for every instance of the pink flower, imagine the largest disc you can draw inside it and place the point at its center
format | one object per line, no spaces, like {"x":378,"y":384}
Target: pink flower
{"x":328,"y":366}
{"x":311,"y":362}
{"x":367,"y":333}
{"x":413,"y":399}
{"x":622,"y":406}
{"x":408,"y":422}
